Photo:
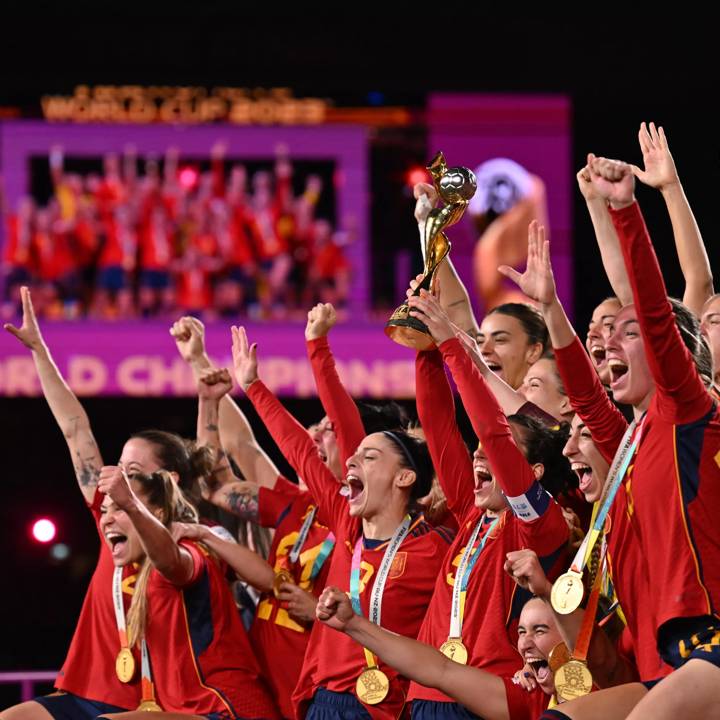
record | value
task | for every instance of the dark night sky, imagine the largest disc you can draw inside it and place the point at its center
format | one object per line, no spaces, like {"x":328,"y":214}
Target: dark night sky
{"x":616,"y":74}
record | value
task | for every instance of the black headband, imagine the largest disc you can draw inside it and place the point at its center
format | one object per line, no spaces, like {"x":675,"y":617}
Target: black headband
{"x":403,"y":447}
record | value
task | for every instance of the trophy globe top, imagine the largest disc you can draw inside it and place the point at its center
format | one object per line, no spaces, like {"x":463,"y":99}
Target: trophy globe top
{"x":457,"y":184}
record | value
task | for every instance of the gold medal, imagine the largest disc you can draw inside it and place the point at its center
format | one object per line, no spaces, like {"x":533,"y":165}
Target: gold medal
{"x":149,"y":706}
{"x":573,"y":680}
{"x":567,"y":593}
{"x":559,"y":656}
{"x":454,"y":649}
{"x":125,"y":665}
{"x":282,"y":576}
{"x":372,"y":686}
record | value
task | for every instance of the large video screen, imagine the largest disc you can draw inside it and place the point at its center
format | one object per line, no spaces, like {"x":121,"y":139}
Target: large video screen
{"x":119,"y":230}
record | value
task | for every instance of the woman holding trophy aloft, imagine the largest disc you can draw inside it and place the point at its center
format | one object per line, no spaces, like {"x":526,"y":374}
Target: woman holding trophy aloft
{"x":475,"y":603}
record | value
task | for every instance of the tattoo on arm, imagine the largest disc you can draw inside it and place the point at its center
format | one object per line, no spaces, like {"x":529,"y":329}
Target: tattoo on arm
{"x":71,"y":429}
{"x":86,"y":471}
{"x":211,"y":427}
{"x":244,"y":504}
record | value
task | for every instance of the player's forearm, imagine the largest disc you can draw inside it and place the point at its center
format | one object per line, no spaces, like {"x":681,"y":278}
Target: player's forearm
{"x":691,"y":251}
{"x":208,"y":434}
{"x":164,"y":553}
{"x":247,"y":564}
{"x":455,"y":299}
{"x":610,"y":252}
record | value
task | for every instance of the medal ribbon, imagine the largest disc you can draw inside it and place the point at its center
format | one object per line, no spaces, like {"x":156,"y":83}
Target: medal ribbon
{"x":304,"y":530}
{"x":119,"y":606}
{"x":462,"y":576}
{"x":322,"y":556}
{"x":325,"y":548}
{"x":588,"y":622}
{"x":147,"y":687}
{"x":380,"y":579}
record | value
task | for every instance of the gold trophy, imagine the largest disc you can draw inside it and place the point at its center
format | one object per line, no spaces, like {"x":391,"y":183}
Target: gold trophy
{"x":455,"y":186}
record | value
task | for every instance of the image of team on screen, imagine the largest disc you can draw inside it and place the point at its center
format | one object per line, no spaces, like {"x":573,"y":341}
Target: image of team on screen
{"x":175,"y":237}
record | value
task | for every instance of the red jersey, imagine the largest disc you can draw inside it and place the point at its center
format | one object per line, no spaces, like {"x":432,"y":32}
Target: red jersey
{"x":241,"y":253}
{"x":263,"y":225}
{"x":274,"y":633}
{"x":673,"y":488}
{"x":329,"y":261}
{"x":524,"y":705}
{"x":85,"y":241}
{"x":194,"y":288}
{"x":108,"y":196}
{"x":201,"y":659}
{"x":89,"y":668}
{"x":334,"y":661}
{"x":341,"y":409}
{"x":16,"y":250}
{"x":155,"y":247}
{"x":118,"y":249}
{"x":627,"y":563}
{"x":53,"y":257}
{"x":493,"y":600}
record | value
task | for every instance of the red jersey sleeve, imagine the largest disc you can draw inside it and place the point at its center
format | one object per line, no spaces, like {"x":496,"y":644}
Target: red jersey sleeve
{"x":489,"y":422}
{"x":524,"y":705}
{"x":217,"y":170}
{"x":273,"y":502}
{"x":283,"y":194}
{"x":543,"y":526}
{"x":300,"y":451}
{"x":337,"y":402}
{"x":681,"y":396}
{"x":589,"y":399}
{"x":436,"y":411}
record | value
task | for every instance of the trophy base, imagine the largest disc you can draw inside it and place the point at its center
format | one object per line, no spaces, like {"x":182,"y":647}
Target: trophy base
{"x":407,"y":330}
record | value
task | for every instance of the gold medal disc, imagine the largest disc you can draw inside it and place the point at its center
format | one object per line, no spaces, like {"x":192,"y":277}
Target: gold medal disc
{"x":573,"y":680}
{"x":559,"y":656}
{"x":282,"y":576}
{"x":454,"y":649}
{"x":149,"y":706}
{"x":567,"y":593}
{"x":125,"y":665}
{"x":372,"y":686}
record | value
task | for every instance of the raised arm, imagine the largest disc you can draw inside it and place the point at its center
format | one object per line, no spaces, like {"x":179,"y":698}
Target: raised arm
{"x":236,"y":434}
{"x":212,"y":386}
{"x":607,"y":239}
{"x":681,"y":395}
{"x":169,"y":559}
{"x":486,"y":416}
{"x":249,"y":566}
{"x":479,"y":691}
{"x":336,"y":401}
{"x":660,"y":173}
{"x":436,"y":412}
{"x":64,"y":405}
{"x":582,"y":384}
{"x":538,"y":283}
{"x":291,"y":437}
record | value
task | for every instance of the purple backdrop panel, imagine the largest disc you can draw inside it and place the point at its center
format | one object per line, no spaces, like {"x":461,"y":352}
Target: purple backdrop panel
{"x":346,"y":145}
{"x":535,"y":131}
{"x":140,"y":359}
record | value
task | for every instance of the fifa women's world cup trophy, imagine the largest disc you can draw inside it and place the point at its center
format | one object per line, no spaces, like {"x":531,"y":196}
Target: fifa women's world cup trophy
{"x":455,"y":186}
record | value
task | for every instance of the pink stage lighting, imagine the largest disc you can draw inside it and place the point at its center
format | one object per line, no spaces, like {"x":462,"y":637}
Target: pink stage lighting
{"x":43,"y":530}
